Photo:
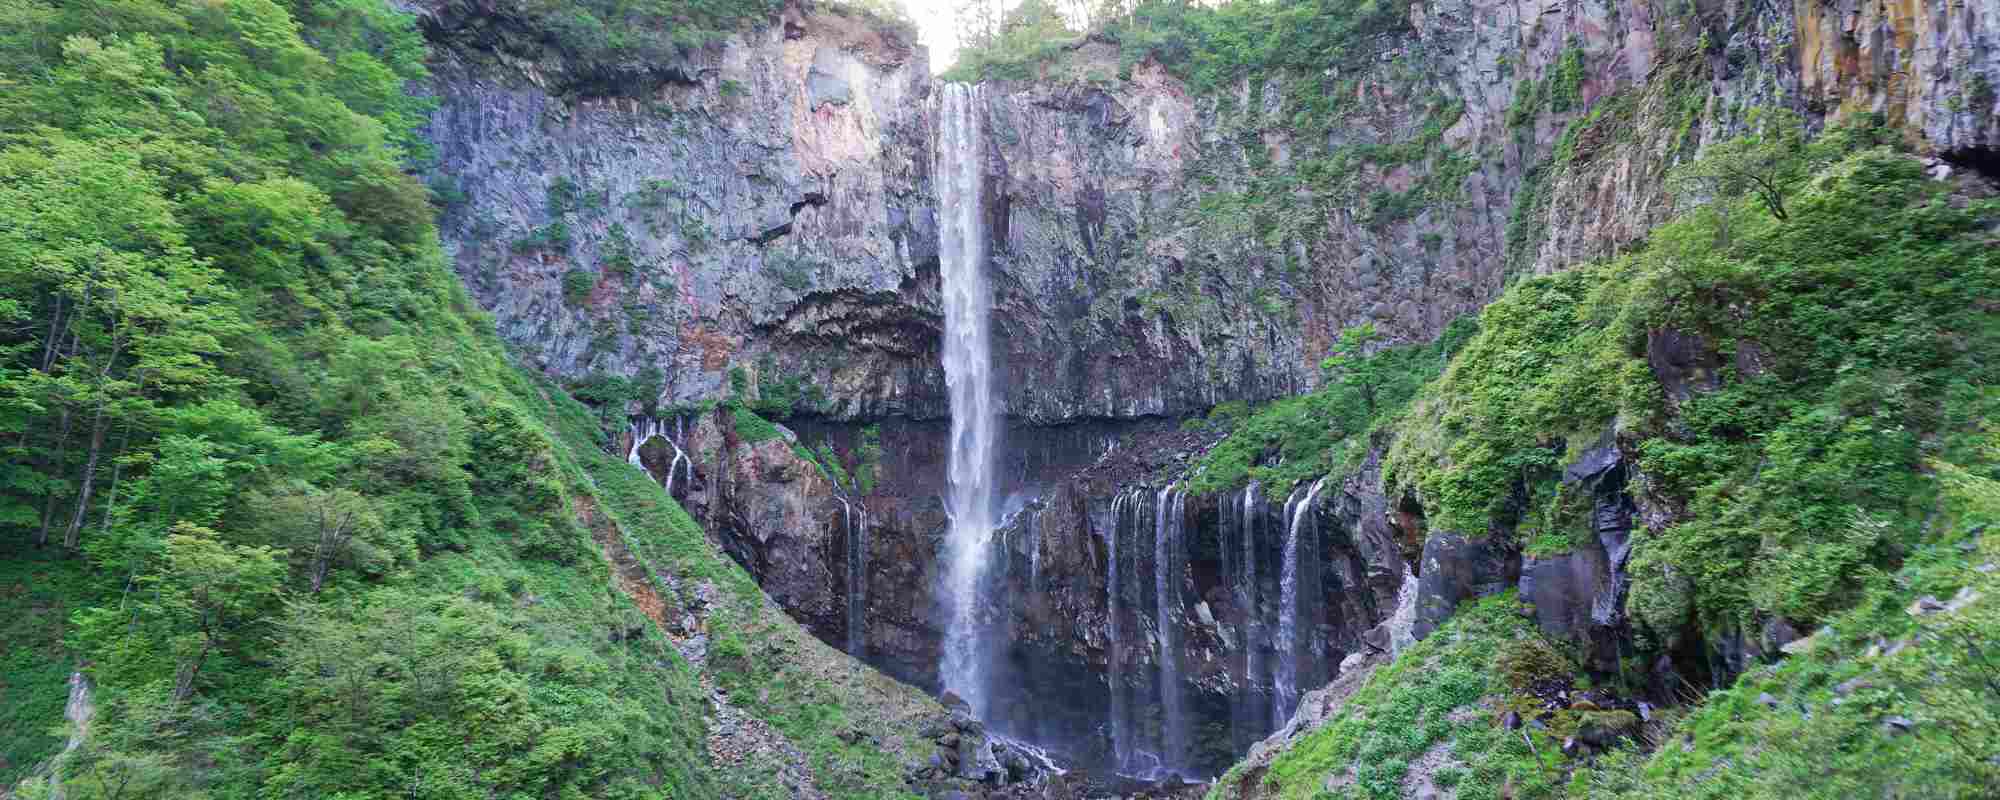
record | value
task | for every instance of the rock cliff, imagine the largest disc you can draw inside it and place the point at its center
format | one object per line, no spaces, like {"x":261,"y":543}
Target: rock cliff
{"x":756,"y":224}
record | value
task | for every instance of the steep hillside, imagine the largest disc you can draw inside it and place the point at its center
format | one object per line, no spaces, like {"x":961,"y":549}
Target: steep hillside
{"x":1773,"y":419}
{"x":276,"y":493}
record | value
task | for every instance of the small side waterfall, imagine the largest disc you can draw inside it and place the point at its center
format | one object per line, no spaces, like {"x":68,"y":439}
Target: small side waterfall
{"x":79,"y":711}
{"x":1404,"y":618}
{"x":968,"y":370}
{"x":647,"y":429}
{"x":1301,"y":558}
{"x":856,"y":520}
{"x":1170,"y":513}
{"x":1249,"y":716}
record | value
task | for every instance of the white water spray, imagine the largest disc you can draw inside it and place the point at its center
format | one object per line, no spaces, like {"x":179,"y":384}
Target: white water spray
{"x":968,"y":370}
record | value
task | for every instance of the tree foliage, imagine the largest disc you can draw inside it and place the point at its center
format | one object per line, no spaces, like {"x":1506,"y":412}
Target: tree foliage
{"x":1828,"y":354}
{"x":240,"y":384}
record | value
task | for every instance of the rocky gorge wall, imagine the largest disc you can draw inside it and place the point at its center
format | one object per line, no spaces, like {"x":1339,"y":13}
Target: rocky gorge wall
{"x":759,"y":222}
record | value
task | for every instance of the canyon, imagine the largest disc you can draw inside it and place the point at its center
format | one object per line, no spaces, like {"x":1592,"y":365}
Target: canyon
{"x":774,"y":223}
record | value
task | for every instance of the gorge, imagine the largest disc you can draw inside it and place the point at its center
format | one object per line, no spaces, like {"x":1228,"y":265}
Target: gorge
{"x":1293,"y":399}
{"x":1113,"y":614}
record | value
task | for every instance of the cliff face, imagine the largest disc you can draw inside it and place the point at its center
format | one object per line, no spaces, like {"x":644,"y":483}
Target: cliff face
{"x":766,"y":209}
{"x":768,"y":204}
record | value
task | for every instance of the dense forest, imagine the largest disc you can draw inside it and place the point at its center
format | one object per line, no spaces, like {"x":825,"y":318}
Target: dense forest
{"x":266,"y":473}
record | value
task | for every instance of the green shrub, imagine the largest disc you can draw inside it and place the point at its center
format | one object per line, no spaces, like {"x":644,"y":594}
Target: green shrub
{"x":576,"y":285}
{"x":1801,"y":473}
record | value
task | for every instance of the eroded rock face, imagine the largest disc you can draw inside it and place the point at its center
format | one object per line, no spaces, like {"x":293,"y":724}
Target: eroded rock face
{"x":772,"y":213}
{"x":767,"y":205}
{"x":1579,"y":596}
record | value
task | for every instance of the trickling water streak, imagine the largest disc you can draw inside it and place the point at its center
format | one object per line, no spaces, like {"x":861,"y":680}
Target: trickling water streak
{"x":857,"y":580}
{"x":968,"y":377}
{"x":1285,"y":674}
{"x":1283,"y":653}
{"x":1034,"y":523}
{"x":1168,"y":515}
{"x":1254,"y":634}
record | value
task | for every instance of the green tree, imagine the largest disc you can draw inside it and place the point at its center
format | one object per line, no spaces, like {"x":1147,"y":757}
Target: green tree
{"x":1350,"y":365}
{"x":324,"y":529}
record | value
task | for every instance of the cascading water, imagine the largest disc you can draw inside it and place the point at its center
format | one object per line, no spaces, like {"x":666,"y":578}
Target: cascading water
{"x":1114,"y":629}
{"x":648,"y":429}
{"x":857,"y":579}
{"x":1298,"y":559}
{"x":1404,"y":618}
{"x":1169,"y":513}
{"x":1254,"y":634}
{"x":968,"y":370}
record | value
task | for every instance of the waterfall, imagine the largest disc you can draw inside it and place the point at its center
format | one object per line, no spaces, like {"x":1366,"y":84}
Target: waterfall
{"x":1404,"y":617}
{"x":1169,"y":513}
{"x":1034,"y":523}
{"x":1297,"y":557}
{"x":857,"y":579}
{"x":1113,"y":651}
{"x":648,"y":429}
{"x":968,"y":370}
{"x":1249,"y":723}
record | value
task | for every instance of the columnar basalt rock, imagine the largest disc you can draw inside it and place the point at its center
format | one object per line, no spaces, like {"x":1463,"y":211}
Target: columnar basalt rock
{"x":760,"y":221}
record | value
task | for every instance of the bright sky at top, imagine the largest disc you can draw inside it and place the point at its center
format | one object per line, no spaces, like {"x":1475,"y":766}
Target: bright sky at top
{"x":935,"y":23}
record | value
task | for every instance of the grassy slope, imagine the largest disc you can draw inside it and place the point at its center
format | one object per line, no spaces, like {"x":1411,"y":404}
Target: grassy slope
{"x":855,"y":725}
{"x":495,"y":657}
{"x":1440,"y":692}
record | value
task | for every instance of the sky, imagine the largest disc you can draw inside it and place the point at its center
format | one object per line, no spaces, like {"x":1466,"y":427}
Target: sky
{"x":934,"y":23}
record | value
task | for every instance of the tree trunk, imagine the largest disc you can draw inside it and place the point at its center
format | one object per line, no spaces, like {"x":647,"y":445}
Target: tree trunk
{"x":97,"y":431}
{"x":50,"y":348}
{"x":111,"y":492}
{"x":55,"y":464}
{"x":184,"y":677}
{"x":75,"y":532}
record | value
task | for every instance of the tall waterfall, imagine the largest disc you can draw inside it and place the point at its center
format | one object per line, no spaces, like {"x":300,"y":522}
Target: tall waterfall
{"x":968,"y":370}
{"x":1114,"y":650}
{"x":1300,"y":560}
{"x":1170,"y":510}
